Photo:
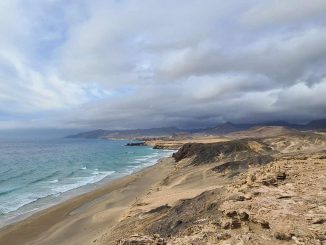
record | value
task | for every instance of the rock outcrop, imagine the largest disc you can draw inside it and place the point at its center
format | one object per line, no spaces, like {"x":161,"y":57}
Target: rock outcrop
{"x":143,"y":240}
{"x":136,"y":144}
{"x":205,"y":153}
{"x":244,"y":152}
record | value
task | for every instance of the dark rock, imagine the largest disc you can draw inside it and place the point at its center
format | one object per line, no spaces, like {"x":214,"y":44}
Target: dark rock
{"x":231,"y":214}
{"x":244,"y":216}
{"x":321,"y":237}
{"x":281,"y":176}
{"x":265,"y":225}
{"x":143,"y":240}
{"x":158,"y":147}
{"x":212,"y":206}
{"x":179,"y":222}
{"x":159,"y":209}
{"x":282,"y":236}
{"x":284,"y":197}
{"x":223,"y":236}
{"x":318,"y":221}
{"x":235,"y":224}
{"x":225,"y":224}
{"x":136,"y":144}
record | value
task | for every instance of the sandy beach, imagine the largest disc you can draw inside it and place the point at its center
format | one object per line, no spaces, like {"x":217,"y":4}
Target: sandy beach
{"x":81,"y":219}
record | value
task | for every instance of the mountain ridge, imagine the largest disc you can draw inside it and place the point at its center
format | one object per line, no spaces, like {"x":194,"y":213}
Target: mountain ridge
{"x":220,"y":129}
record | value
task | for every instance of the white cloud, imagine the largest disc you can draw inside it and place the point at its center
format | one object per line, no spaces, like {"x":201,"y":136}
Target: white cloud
{"x":152,"y":63}
{"x":284,"y":12}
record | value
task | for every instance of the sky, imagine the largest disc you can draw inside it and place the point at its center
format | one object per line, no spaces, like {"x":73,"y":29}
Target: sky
{"x":119,"y":64}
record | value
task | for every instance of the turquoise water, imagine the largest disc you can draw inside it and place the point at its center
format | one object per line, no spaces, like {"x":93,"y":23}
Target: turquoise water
{"x":36,"y":173}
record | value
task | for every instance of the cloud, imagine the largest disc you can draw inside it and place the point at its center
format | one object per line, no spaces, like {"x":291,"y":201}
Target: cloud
{"x":265,"y":13}
{"x":25,"y":90}
{"x":127,"y":64}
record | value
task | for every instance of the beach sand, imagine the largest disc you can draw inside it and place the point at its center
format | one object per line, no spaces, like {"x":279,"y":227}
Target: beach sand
{"x":82,"y":219}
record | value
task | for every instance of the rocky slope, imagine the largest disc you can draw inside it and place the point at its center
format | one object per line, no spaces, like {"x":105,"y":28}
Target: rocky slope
{"x":233,"y":150}
{"x":263,"y":132}
{"x":251,"y":191}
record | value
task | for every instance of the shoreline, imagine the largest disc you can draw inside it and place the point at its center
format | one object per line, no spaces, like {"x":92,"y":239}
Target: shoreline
{"x":49,"y":201}
{"x":39,"y":226}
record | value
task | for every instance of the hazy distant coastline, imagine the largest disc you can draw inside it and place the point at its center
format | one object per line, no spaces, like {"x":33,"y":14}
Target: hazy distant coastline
{"x":220,"y":129}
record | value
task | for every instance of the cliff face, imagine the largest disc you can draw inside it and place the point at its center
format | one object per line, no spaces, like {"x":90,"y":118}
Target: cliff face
{"x":236,"y":154}
{"x":204,"y":153}
{"x":225,"y":128}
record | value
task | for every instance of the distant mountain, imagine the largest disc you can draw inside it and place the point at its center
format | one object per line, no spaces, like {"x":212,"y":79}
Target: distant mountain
{"x":127,"y":134}
{"x":278,"y":123}
{"x":224,"y":128}
{"x":220,"y":129}
{"x":316,"y":124}
{"x":90,"y":134}
{"x":229,"y":127}
{"x":263,"y":131}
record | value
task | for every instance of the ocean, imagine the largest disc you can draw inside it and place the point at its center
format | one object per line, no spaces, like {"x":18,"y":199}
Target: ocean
{"x":36,"y":173}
